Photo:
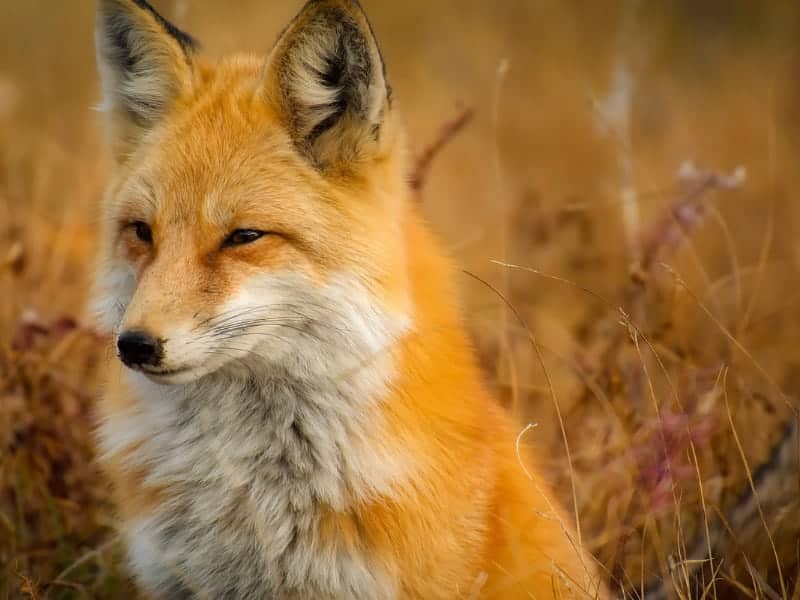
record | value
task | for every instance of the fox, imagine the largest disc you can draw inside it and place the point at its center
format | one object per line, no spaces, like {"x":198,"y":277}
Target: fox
{"x":293,"y":407}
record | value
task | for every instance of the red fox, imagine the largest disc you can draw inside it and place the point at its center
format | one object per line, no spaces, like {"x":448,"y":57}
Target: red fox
{"x":296,"y":412}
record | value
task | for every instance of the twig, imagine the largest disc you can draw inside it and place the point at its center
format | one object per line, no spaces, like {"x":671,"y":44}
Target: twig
{"x":686,"y":214}
{"x":756,"y":499}
{"x":447,"y":132}
{"x":88,"y":556}
{"x":683,"y":217}
{"x":537,"y":348}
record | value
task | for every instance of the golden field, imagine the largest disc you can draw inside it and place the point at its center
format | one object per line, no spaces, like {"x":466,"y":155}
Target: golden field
{"x":625,"y":205}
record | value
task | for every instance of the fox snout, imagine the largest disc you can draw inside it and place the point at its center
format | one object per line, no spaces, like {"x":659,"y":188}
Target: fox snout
{"x":139,"y":349}
{"x":167,"y":361}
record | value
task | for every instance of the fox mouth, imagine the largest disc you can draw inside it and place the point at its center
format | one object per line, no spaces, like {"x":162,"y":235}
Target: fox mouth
{"x":161,"y":372}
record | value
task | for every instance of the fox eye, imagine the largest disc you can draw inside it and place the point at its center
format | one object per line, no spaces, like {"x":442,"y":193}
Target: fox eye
{"x":240,"y":237}
{"x":143,"y":231}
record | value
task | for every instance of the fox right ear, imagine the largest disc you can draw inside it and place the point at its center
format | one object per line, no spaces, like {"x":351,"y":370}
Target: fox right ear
{"x":327,"y":79}
{"x":144,"y":63}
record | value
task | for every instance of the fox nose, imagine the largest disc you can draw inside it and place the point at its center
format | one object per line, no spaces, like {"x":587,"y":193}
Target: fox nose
{"x":137,"y":348}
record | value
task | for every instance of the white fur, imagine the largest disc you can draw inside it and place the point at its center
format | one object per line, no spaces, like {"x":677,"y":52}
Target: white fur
{"x":113,"y":293}
{"x":286,"y":423}
{"x":144,"y":554}
{"x":315,"y":100}
{"x":145,"y":91}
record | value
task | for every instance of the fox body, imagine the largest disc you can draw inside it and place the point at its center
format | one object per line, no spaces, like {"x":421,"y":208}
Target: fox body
{"x":299,"y":413}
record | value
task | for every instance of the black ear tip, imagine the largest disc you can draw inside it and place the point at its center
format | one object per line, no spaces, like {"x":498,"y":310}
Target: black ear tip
{"x":186,"y":41}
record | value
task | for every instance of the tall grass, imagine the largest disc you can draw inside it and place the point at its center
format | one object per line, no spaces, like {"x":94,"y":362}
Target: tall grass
{"x":641,"y":312}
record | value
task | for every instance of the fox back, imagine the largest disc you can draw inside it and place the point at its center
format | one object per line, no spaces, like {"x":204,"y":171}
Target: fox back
{"x":296,"y":411}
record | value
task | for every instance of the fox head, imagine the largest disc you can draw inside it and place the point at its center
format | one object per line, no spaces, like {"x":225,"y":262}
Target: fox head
{"x":256,"y":205}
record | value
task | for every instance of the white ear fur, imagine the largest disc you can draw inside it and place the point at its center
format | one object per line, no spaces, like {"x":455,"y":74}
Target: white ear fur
{"x":144,"y":63}
{"x":326,"y":75}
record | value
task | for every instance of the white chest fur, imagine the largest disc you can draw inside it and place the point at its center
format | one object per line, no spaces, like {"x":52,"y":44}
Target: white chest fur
{"x":251,"y":457}
{"x":249,"y":468}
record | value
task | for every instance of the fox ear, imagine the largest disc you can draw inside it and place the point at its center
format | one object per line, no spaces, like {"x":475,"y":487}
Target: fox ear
{"x":326,"y":77}
{"x":144,"y":63}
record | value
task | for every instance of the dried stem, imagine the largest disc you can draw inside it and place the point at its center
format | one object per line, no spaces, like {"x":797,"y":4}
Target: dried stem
{"x":684,"y":216}
{"x":447,"y":132}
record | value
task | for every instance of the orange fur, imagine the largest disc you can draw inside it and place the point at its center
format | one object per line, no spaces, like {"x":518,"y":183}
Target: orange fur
{"x":468,"y":521}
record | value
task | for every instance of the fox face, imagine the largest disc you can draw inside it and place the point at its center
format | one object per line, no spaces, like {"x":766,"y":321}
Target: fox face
{"x":255,"y":204}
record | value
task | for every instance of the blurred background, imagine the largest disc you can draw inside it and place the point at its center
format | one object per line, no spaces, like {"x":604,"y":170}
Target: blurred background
{"x":629,"y":185}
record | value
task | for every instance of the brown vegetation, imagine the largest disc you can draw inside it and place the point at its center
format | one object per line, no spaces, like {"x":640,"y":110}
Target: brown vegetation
{"x":639,"y":310}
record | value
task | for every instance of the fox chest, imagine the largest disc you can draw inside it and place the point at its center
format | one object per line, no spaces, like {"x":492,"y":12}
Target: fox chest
{"x":185,"y":556}
{"x":245,"y":489}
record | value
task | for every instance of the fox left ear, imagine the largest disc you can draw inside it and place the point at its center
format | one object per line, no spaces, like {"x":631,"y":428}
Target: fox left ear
{"x":326,"y":78}
{"x":144,"y":63}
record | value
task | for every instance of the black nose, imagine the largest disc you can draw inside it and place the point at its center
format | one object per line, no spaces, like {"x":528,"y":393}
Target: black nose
{"x":136,"y":348}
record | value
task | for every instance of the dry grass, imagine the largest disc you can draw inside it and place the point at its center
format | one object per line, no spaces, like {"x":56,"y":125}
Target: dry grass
{"x":655,"y":316}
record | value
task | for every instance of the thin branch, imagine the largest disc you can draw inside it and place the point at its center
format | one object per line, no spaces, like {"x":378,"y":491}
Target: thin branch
{"x":447,"y":132}
{"x":660,"y":242}
{"x":686,"y":214}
